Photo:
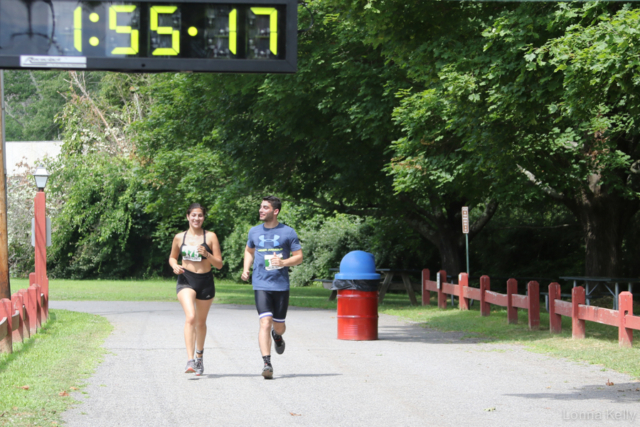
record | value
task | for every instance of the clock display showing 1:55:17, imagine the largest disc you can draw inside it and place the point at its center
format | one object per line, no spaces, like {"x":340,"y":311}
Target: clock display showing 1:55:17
{"x":146,"y":30}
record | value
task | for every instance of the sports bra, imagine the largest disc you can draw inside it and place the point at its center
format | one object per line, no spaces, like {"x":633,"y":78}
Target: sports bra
{"x":190,"y":253}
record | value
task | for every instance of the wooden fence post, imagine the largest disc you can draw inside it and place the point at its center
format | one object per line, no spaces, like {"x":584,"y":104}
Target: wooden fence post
{"x":533,"y":298}
{"x":41,"y":306}
{"x":555,"y":320}
{"x":26,"y":329}
{"x":625,"y":307}
{"x":463,"y":284}
{"x":35,"y":289}
{"x":485,"y":285}
{"x":32,"y":309}
{"x":18,"y":334}
{"x":426,"y":295}
{"x":512,"y":312}
{"x":442,"y":297}
{"x":6,"y":344}
{"x":577,"y":326}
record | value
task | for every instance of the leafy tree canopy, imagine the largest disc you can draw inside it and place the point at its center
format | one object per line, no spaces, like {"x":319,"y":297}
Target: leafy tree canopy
{"x":32,"y":100}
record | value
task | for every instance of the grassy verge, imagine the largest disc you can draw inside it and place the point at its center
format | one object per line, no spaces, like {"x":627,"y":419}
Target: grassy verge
{"x":600,"y":347}
{"x":37,"y":377}
{"x":227,"y":292}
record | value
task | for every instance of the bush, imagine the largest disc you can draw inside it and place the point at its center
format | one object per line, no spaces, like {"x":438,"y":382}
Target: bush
{"x":233,"y":250}
{"x":325,"y":241}
{"x":101,"y":230}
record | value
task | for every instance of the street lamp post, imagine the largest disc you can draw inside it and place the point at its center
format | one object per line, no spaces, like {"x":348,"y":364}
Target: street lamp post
{"x":40,"y":231}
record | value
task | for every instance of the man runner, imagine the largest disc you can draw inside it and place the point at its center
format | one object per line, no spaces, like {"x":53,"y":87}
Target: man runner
{"x":278,"y":248}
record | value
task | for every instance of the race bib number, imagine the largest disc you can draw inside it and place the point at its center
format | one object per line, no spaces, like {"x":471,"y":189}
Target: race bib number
{"x":190,"y":253}
{"x":267,"y":262}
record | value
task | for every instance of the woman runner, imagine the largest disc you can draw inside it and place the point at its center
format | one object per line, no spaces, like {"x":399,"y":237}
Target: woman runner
{"x":195,"y":288}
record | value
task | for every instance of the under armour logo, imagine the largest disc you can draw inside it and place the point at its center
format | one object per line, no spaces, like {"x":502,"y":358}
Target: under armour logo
{"x":274,"y":240}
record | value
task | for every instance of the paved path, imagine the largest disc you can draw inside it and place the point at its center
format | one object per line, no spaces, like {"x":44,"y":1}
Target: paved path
{"x":410,"y":377}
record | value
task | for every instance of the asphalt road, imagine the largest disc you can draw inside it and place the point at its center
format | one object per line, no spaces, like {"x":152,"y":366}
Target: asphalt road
{"x":411,"y":376}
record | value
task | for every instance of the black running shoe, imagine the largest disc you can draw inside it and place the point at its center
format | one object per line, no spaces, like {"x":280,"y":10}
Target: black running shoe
{"x":199,"y":366}
{"x":278,"y":343}
{"x":191,"y":366}
{"x":267,"y":372}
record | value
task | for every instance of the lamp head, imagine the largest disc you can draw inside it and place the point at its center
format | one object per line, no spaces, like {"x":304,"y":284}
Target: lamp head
{"x":41,"y":176}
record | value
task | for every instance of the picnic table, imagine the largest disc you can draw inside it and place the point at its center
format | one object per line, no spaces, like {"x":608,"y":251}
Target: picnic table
{"x":387,"y":283}
{"x":606,"y":282}
{"x":327,"y":284}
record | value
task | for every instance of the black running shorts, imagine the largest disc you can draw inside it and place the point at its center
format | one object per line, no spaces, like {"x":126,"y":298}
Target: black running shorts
{"x":202,"y":283}
{"x":272,"y":303}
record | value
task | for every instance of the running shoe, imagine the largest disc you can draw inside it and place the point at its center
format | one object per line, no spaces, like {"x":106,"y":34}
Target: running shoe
{"x":199,"y":366}
{"x":278,"y":343}
{"x":191,"y":366}
{"x":267,"y":372}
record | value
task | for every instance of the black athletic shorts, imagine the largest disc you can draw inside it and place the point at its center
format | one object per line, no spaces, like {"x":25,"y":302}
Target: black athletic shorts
{"x":272,"y":303}
{"x":202,"y":283}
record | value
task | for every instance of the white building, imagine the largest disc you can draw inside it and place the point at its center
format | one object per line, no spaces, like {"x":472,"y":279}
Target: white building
{"x":29,"y":152}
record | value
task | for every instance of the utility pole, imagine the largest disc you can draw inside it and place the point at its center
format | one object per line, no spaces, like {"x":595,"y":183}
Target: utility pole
{"x":5,"y":287}
{"x":6,"y":344}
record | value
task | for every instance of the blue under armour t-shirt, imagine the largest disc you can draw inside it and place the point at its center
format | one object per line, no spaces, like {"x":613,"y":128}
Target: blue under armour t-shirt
{"x":279,"y":241}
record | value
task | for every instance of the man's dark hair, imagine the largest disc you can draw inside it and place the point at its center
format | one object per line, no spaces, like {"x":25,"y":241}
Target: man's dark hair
{"x":273,"y":201}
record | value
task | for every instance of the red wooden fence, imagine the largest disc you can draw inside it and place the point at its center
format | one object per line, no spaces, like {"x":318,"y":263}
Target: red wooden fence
{"x":512,"y":300}
{"x":23,"y":314}
{"x":622,"y":318}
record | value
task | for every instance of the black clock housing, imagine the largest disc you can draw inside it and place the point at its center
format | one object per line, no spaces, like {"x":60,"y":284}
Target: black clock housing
{"x":257,"y":36}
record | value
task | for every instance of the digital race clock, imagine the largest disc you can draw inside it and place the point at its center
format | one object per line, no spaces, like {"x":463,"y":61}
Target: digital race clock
{"x":150,"y":36}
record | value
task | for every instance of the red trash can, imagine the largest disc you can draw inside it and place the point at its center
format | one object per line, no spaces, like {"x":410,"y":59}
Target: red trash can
{"x":357,"y":315}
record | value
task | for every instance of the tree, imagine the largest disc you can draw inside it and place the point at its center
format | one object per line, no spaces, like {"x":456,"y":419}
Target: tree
{"x":322,"y":136}
{"x":33,"y":99}
{"x":577,"y":137}
{"x":540,"y":96}
{"x":437,"y":177}
{"x":101,"y":229}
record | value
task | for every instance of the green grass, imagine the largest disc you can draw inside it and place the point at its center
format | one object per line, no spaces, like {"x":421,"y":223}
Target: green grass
{"x":227,"y":292}
{"x":58,"y":359}
{"x":600,"y":347}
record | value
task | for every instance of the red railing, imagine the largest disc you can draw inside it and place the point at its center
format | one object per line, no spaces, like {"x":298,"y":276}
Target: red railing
{"x":23,"y":314}
{"x":511,"y":300}
{"x":622,"y":318}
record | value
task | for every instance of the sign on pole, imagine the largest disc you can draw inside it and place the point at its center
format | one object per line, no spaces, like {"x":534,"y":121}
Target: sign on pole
{"x":465,"y":230}
{"x":33,"y":232}
{"x":465,"y":219}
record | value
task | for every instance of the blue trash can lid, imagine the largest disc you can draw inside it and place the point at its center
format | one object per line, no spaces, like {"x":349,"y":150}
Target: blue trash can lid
{"x":358,"y":265}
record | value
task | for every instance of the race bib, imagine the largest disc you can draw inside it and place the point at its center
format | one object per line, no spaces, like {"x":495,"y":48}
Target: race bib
{"x":190,"y":253}
{"x":267,"y":262}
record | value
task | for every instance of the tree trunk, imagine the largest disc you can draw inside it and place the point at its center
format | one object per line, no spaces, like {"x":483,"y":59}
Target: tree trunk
{"x":442,"y":226}
{"x":604,"y":219}
{"x":451,"y":253}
